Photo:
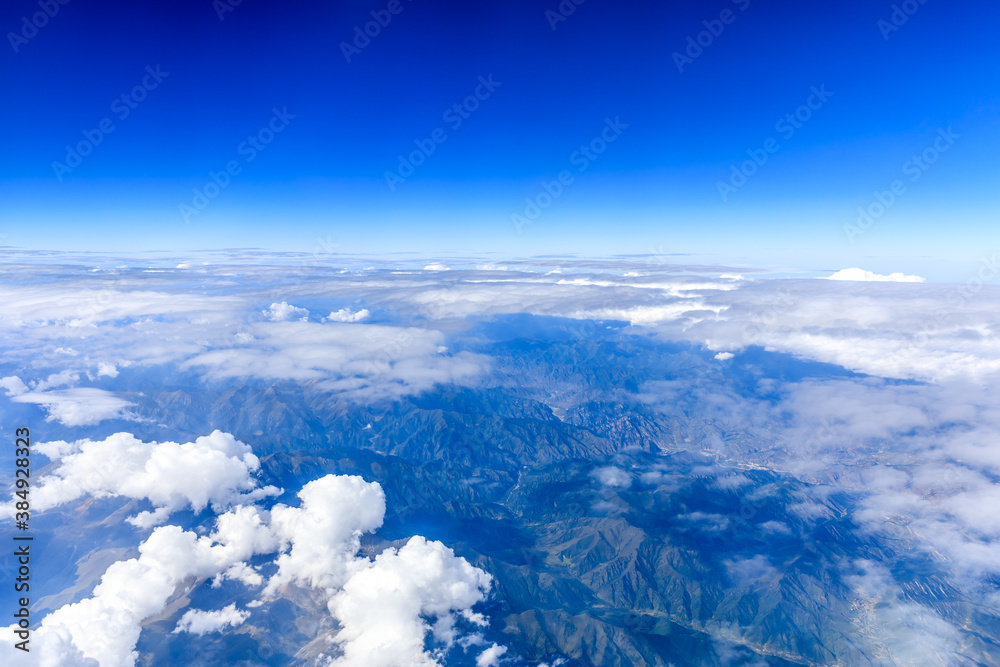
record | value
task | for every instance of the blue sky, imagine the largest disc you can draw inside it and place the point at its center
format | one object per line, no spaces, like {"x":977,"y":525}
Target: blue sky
{"x":889,"y":90}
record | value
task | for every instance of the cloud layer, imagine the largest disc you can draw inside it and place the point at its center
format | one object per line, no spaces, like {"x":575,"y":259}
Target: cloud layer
{"x":910,"y":436}
{"x":215,"y":469}
{"x":382,"y":606}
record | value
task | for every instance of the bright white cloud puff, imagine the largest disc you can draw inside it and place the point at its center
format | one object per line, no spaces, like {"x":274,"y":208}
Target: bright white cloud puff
{"x":382,"y":605}
{"x":215,"y":470}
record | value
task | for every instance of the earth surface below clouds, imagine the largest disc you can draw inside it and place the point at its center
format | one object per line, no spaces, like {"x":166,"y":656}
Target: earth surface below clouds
{"x":622,"y":479}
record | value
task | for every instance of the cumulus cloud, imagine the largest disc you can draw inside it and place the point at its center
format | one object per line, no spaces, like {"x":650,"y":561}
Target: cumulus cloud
{"x":347,"y":315}
{"x":324,"y":533}
{"x":281,"y":312}
{"x":384,"y":606}
{"x":724,"y":356}
{"x":199,"y":622}
{"x":612,"y":477}
{"x":13,"y":385}
{"x":215,"y":469}
{"x":60,"y":379}
{"x":491,"y":656}
{"x":869,"y":276}
{"x":105,"y":627}
{"x":106,"y":369}
{"x":381,"y":608}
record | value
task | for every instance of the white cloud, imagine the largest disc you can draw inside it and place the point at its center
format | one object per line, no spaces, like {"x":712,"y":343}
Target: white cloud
{"x":755,"y":569}
{"x":13,"y":385}
{"x":215,"y":469}
{"x":869,"y":276}
{"x":61,"y":379}
{"x":281,"y":312}
{"x":199,"y":622}
{"x":383,"y":605}
{"x":381,"y":608}
{"x":732,"y":482}
{"x":612,"y":477}
{"x":645,"y":315}
{"x":360,"y":360}
{"x":80,"y":406}
{"x":323,"y":533}
{"x":898,"y":330}
{"x":106,"y":369}
{"x":436,"y":266}
{"x":347,"y":315}
{"x":724,"y":356}
{"x":105,"y":627}
{"x":218,"y":334}
{"x":775,"y":527}
{"x":491,"y":656}
{"x":239,"y":572}
{"x":706,"y":520}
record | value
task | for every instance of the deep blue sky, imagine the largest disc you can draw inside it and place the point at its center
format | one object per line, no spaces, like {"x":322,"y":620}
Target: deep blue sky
{"x":654,"y":189}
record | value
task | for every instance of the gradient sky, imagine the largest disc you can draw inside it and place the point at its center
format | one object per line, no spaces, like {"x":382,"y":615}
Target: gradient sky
{"x":654,"y":189}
